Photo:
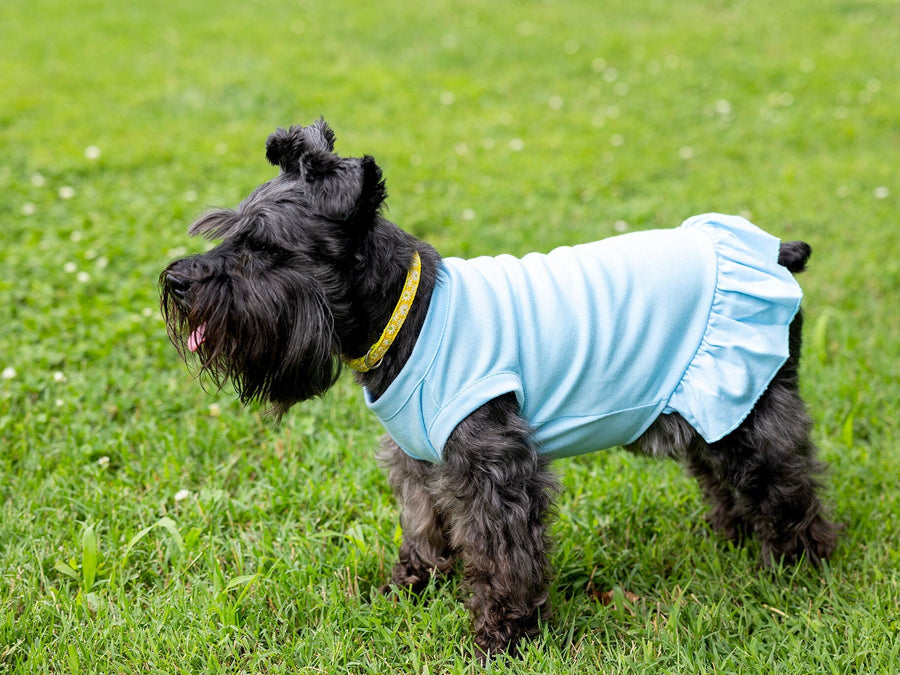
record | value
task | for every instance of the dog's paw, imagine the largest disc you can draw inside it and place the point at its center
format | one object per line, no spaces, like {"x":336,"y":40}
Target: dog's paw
{"x":503,"y":632}
{"x":814,"y":543}
{"x":506,"y":640}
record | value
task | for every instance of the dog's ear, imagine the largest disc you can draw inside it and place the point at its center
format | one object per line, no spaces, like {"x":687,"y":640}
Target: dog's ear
{"x":368,"y":198}
{"x":283,"y":149}
{"x":292,"y":148}
{"x":349,"y":192}
{"x":372,"y":194}
{"x":321,"y":135}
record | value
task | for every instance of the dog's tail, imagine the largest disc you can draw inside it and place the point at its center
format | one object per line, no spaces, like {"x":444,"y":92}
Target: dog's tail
{"x":793,"y":255}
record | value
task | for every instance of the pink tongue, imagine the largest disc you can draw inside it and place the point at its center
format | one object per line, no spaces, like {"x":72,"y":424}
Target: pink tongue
{"x":197,"y":337}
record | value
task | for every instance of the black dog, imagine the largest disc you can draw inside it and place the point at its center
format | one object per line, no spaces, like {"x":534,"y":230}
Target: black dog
{"x":308,"y":276}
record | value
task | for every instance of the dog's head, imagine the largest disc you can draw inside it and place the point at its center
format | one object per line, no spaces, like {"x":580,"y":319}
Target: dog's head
{"x":270,"y":306}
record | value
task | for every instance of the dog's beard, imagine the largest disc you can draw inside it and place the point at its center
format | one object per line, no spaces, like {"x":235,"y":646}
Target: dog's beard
{"x":277,"y":354}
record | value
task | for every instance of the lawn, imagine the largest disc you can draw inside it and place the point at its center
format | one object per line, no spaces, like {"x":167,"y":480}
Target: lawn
{"x":149,"y":525}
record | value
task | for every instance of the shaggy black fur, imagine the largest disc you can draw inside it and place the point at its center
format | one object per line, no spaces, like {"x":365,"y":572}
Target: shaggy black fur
{"x":308,"y":273}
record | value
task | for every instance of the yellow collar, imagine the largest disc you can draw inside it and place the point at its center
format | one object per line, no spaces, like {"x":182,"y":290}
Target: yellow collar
{"x":376,"y":352}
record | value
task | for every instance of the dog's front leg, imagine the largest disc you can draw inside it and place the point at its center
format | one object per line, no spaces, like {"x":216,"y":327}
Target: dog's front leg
{"x":496,"y":491}
{"x":425,"y":550}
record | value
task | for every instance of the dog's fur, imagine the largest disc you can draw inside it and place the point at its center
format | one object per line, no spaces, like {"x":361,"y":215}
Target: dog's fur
{"x":308,"y":273}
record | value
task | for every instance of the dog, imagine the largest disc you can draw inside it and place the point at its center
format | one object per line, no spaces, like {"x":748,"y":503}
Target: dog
{"x":681,"y":343}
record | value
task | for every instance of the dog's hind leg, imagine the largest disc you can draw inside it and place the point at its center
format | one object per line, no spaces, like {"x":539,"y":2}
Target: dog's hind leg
{"x":761,"y":478}
{"x":496,"y":491}
{"x":425,"y":550}
{"x":724,"y":514}
{"x":769,"y":464}
{"x":773,"y":471}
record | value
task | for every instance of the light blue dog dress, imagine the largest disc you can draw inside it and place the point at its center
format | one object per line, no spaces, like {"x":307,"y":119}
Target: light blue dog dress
{"x":597,"y":340}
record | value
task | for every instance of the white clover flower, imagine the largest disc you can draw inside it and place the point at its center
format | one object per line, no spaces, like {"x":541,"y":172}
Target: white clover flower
{"x":92,"y":152}
{"x":525,"y":28}
{"x":8,"y":373}
{"x":181,"y":495}
{"x":59,"y":376}
{"x":66,"y":192}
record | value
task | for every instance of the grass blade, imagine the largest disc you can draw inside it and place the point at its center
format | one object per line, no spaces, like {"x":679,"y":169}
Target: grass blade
{"x":88,"y":557}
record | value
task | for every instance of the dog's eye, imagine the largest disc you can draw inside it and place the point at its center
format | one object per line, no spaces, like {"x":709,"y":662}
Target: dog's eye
{"x":256,"y":253}
{"x":257,"y":247}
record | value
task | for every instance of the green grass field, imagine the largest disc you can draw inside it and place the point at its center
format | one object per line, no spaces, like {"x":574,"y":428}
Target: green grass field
{"x":147,"y":525}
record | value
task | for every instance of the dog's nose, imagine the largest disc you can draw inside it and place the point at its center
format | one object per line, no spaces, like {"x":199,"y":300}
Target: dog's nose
{"x":178,"y":287}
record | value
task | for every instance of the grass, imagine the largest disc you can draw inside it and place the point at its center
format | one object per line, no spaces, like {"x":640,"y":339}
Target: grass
{"x":149,"y":526}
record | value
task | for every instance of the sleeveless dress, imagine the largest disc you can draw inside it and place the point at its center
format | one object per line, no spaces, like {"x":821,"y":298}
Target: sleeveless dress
{"x":597,"y":340}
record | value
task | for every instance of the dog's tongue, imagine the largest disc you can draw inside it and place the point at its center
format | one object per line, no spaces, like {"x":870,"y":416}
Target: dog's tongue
{"x":198,"y":335}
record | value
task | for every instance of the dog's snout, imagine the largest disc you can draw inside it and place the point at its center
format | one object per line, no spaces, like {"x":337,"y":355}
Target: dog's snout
{"x":175,"y":280}
{"x":178,"y":285}
{"x":182,"y":274}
